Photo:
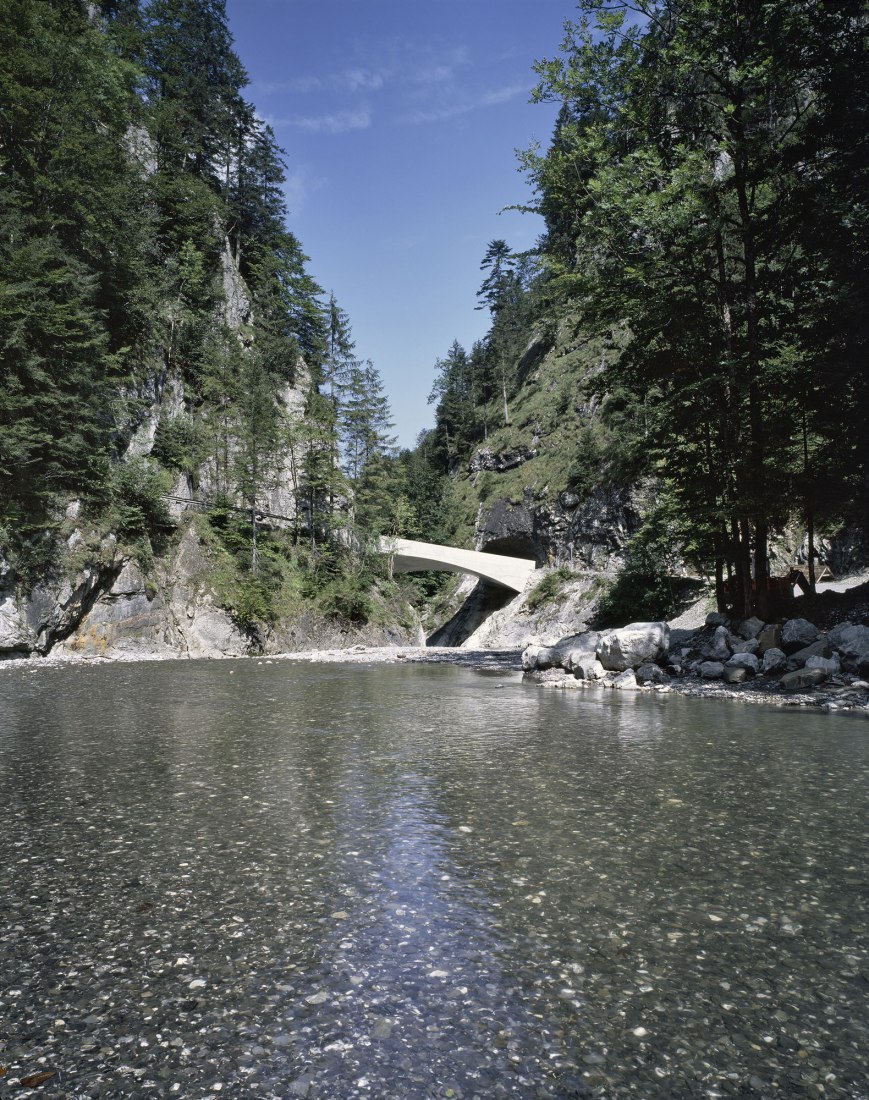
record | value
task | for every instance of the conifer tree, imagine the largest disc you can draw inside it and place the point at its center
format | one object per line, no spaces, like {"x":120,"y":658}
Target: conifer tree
{"x":65,"y":100}
{"x":695,"y":145}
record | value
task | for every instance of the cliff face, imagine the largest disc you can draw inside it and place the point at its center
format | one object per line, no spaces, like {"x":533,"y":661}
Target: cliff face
{"x":544,"y":484}
{"x":109,"y":606}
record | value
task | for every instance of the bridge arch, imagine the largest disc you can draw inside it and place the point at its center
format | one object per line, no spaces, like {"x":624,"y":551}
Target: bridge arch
{"x":410,"y":556}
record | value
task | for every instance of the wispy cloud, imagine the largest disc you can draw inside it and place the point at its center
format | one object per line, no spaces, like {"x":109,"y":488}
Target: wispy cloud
{"x":348,"y":80}
{"x":395,"y":62}
{"x":335,"y":122}
{"x":367,"y":80}
{"x":298,"y":185}
{"x":413,"y":82}
{"x":458,"y":107}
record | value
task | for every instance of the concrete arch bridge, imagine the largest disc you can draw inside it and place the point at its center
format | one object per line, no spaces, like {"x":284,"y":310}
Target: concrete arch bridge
{"x":409,"y":556}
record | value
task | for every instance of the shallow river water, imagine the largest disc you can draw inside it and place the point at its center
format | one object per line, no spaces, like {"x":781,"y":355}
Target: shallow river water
{"x":271,"y":879}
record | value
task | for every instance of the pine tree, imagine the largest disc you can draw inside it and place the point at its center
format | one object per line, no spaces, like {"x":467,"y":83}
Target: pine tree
{"x":66,"y":98}
{"x":691,"y":135}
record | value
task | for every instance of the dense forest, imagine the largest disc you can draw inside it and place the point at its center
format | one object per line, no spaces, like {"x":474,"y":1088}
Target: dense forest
{"x":160,"y":334}
{"x":705,"y":201}
{"x":693,"y":318}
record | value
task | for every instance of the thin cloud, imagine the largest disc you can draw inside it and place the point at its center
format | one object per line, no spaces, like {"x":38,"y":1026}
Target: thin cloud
{"x":397,"y":63}
{"x":349,"y":80}
{"x":336,"y":122}
{"x":362,"y":80}
{"x":298,"y":185}
{"x":465,"y":107}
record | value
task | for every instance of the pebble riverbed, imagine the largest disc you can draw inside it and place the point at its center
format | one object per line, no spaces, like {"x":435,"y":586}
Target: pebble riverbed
{"x":282,"y":879}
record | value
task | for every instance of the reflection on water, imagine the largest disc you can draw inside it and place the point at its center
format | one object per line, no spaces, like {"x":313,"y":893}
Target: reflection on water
{"x":263,"y":879}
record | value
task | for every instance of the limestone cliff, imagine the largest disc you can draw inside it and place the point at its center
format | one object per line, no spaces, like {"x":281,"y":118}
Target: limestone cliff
{"x":101,"y":602}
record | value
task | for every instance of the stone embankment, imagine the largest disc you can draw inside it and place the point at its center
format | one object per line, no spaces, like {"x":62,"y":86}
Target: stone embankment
{"x":794,"y":662}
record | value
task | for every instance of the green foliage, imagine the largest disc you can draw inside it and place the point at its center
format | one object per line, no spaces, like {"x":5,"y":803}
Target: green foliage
{"x":647,"y":588}
{"x":138,"y":498}
{"x":65,"y":99}
{"x":678,"y":201}
{"x":548,"y":588}
{"x":179,"y":444}
{"x":348,"y":600}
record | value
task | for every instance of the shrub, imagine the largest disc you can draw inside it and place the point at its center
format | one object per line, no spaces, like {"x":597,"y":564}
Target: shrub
{"x":138,"y":493}
{"x":548,"y":588}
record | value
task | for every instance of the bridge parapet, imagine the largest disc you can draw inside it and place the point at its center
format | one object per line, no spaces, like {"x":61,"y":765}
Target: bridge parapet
{"x":410,"y":556}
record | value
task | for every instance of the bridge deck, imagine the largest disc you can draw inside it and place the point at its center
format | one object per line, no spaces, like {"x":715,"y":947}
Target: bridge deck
{"x":410,"y":556}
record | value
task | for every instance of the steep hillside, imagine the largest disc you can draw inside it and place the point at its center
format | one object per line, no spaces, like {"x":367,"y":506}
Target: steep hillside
{"x":674,"y":378}
{"x":192,"y":457}
{"x":556,"y":483}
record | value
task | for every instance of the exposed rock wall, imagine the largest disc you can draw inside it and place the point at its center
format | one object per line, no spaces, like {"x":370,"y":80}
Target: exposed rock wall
{"x":110,"y":608}
{"x":590,"y":533}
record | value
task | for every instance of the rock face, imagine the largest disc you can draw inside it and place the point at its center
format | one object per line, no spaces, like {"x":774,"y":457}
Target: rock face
{"x":852,"y":643}
{"x":587,"y":534}
{"x":797,"y":634}
{"x":633,"y":645}
{"x":109,"y":608}
{"x":177,"y":617}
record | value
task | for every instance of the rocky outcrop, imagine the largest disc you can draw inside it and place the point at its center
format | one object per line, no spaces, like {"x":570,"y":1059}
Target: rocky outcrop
{"x":640,"y":655}
{"x":638,"y":645}
{"x":633,"y":645}
{"x":169,"y":614}
{"x":111,"y":608}
{"x":587,"y":533}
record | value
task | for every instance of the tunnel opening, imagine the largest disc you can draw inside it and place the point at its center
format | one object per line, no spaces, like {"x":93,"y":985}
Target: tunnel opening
{"x":514,"y":546}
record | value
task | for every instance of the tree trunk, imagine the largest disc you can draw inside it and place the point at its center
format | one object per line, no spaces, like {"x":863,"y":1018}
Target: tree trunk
{"x":254,"y":550}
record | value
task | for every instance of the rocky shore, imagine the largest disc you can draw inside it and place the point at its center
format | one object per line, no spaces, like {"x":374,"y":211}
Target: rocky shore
{"x":793,"y":663}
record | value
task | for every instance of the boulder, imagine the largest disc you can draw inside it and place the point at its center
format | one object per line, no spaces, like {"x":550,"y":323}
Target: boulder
{"x":735,"y":674}
{"x":562,"y":654}
{"x":717,"y":648}
{"x":626,"y":681}
{"x":574,"y":647}
{"x":797,"y":634}
{"x":652,"y":674}
{"x":802,"y":679}
{"x":717,"y":618}
{"x":633,"y":645}
{"x":852,"y":644}
{"x":819,"y":648}
{"x":747,"y":661}
{"x":750,"y":628}
{"x":774,"y":660}
{"x":585,"y":666}
{"x":712,"y":670}
{"x":531,"y":655}
{"x":838,"y":633}
{"x":829,"y":665}
{"x":749,"y":645}
{"x":769,"y":638}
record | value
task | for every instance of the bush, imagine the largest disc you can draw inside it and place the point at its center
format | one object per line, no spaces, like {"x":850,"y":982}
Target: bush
{"x":139,"y":489}
{"x":348,"y":600}
{"x":646,"y":590}
{"x":178,"y":444}
{"x":548,"y":588}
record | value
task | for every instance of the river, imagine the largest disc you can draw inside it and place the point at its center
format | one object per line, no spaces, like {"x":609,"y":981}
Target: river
{"x":275,"y":879}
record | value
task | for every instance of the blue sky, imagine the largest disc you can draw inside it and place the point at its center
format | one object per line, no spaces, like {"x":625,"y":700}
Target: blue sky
{"x":400,"y":119}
